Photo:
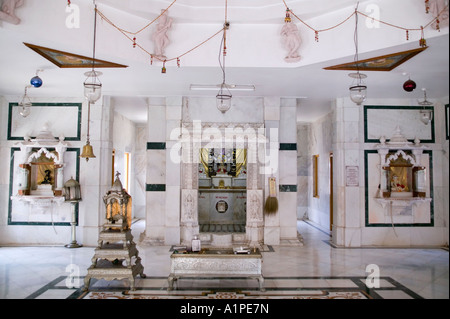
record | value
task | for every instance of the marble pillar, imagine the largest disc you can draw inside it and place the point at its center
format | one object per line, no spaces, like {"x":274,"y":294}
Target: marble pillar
{"x":347,"y":200}
{"x":272,"y":125}
{"x":288,"y":171}
{"x":155,"y":173}
{"x":173,"y":171}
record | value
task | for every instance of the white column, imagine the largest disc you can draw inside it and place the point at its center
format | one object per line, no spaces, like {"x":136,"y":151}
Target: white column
{"x":95,"y":174}
{"x":156,"y":173}
{"x":348,"y":201}
{"x":173,"y":171}
{"x":272,"y":124}
{"x":288,"y":171}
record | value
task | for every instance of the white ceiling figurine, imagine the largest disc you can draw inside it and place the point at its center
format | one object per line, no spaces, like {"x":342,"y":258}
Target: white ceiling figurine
{"x":7,"y":8}
{"x":290,"y":36}
{"x":160,"y":38}
{"x":439,"y":7}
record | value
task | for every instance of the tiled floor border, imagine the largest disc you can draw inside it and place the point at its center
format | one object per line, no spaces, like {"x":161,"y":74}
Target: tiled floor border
{"x":359,"y":282}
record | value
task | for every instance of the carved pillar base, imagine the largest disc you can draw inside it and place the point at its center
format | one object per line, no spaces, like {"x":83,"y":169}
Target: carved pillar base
{"x":189,"y":215}
{"x":255,"y":221}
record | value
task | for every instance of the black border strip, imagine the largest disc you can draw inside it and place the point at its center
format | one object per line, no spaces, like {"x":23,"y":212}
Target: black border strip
{"x":78,"y":105}
{"x":446,"y":121}
{"x":397,"y":107}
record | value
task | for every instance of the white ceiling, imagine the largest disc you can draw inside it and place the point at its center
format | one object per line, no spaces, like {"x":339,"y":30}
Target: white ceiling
{"x":129,"y":88}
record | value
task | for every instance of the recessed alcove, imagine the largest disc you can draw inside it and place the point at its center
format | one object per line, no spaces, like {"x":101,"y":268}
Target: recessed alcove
{"x":222,"y":192}
{"x":403,"y":179}
{"x":39,"y":170}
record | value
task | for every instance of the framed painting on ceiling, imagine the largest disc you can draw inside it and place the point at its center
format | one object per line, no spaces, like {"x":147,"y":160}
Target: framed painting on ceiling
{"x":70,"y":60}
{"x":379,"y":63}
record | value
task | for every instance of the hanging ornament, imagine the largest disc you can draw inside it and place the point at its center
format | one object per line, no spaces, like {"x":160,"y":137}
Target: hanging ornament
{"x":407,"y":35}
{"x":316,"y":36}
{"x":151,"y":59}
{"x":163,"y":70}
{"x":437,"y":25}
{"x":134,"y":42}
{"x":422,"y":41}
{"x":427,"y":6}
{"x":68,"y":3}
{"x":288,"y":16}
{"x":36,"y":81}
{"x":409,"y":85}
{"x":178,"y":62}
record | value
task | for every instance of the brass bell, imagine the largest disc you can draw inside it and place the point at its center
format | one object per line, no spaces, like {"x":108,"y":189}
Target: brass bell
{"x":88,"y":152}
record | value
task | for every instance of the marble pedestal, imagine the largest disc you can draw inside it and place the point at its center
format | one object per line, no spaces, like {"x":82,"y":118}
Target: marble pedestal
{"x":115,"y":258}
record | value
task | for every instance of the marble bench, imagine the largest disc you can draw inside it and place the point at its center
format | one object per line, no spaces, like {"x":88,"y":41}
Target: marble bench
{"x":216,"y":263}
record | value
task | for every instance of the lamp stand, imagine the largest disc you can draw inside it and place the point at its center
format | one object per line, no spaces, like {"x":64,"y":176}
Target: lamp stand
{"x":73,"y":223}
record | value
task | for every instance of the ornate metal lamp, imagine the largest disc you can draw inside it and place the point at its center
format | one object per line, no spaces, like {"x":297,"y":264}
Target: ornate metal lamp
{"x":72,"y":194}
{"x":118,"y":207}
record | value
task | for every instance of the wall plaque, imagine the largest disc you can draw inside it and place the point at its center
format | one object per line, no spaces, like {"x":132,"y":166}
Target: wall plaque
{"x":352,"y":175}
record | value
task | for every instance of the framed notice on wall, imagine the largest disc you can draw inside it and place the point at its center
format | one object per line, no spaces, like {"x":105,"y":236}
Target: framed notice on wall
{"x":352,"y":175}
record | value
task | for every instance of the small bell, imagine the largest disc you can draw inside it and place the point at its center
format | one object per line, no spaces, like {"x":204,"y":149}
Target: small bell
{"x":88,"y":152}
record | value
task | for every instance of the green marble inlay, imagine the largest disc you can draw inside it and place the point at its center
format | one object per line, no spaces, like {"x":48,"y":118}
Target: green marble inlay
{"x":288,"y":146}
{"x":288,"y":188}
{"x":156,"y":146}
{"x":155,"y":187}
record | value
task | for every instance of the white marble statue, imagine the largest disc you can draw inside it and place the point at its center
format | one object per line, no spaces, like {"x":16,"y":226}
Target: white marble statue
{"x":290,"y":37}
{"x":7,"y":8}
{"x":160,"y":38}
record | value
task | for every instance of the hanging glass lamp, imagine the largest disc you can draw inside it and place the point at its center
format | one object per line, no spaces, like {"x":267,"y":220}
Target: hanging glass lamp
{"x":426,"y":114}
{"x":358,"y":90}
{"x":223,"y":99}
{"x":25,"y":104}
{"x":92,"y":86}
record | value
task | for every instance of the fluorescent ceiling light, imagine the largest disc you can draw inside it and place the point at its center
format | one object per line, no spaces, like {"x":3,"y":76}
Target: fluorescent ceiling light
{"x":234,"y":87}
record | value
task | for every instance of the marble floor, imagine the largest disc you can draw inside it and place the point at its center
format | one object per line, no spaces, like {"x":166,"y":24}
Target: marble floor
{"x":30,"y":272}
